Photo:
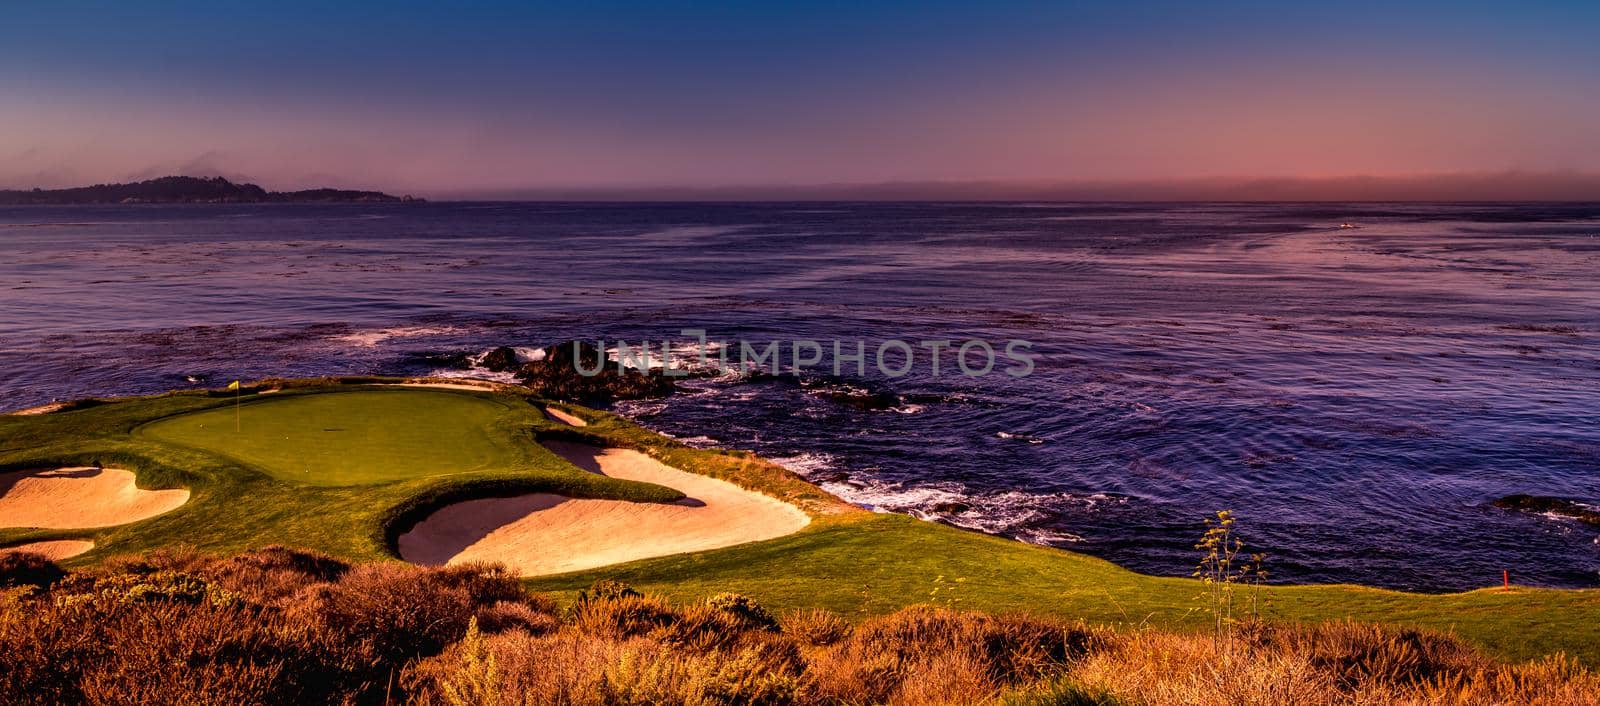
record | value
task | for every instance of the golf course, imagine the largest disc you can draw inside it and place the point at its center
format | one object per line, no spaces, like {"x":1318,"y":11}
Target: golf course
{"x":372,"y":469}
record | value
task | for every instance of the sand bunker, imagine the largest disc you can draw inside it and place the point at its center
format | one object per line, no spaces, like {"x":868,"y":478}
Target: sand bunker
{"x":541,"y":534}
{"x":567,"y":418}
{"x":79,"y":498}
{"x":467,"y":384}
{"x":54,"y":550}
{"x":41,"y":409}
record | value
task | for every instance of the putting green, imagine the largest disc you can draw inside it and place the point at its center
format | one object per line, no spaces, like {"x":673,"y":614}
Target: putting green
{"x":350,"y":438}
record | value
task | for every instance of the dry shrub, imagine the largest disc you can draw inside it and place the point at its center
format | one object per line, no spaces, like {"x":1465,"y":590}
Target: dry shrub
{"x":1357,"y":653}
{"x":282,"y":626}
{"x":28,"y":569}
{"x":923,"y":654}
{"x":275,"y":626}
{"x":1554,"y":681}
{"x":175,"y":653}
{"x":724,"y":622}
{"x":570,"y":668}
{"x":536,"y":617}
{"x":1159,"y":669}
{"x":815,"y":628}
{"x":742,"y":608}
{"x":702,"y":628}
{"x":624,"y":617}
{"x":126,"y":645}
{"x":1333,"y":663}
{"x":1062,"y":692}
{"x":946,"y":677}
{"x":274,"y":573}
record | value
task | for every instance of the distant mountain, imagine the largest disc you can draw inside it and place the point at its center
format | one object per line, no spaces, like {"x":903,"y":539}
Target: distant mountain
{"x":182,"y":189}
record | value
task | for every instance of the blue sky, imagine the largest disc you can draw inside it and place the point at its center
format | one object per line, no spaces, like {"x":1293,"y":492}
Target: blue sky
{"x":482,"y":95}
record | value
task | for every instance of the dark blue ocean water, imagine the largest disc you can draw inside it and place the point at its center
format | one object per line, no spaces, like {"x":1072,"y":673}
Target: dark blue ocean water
{"x":1358,"y":396}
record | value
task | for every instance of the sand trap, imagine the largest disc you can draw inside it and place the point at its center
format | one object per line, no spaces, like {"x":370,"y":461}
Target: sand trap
{"x":447,"y":386}
{"x":79,"y":498}
{"x":41,"y":409}
{"x":54,"y":550}
{"x":541,"y":534}
{"x":567,"y":418}
{"x":471,"y":387}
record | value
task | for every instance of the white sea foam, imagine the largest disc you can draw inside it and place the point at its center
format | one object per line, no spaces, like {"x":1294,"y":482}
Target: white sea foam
{"x":474,"y":374}
{"x":1019,"y":437}
{"x":371,"y":338}
{"x":805,"y":464}
{"x":1048,"y":538}
{"x":1013,"y":513}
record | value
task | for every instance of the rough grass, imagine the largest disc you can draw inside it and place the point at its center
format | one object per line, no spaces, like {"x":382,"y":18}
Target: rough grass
{"x":852,"y":563}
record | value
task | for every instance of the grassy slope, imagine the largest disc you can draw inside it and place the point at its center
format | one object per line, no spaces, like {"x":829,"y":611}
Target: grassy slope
{"x":871,"y":564}
{"x":855,"y":563}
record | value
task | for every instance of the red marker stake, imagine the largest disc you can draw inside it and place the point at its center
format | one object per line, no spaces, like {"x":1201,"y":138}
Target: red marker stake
{"x":1505,"y":575}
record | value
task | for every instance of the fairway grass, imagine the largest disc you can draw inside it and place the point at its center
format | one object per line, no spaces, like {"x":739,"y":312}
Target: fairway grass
{"x":247,"y":495}
{"x":351,"y":438}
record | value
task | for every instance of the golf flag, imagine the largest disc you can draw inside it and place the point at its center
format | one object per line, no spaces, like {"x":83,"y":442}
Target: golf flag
{"x":233,"y":385}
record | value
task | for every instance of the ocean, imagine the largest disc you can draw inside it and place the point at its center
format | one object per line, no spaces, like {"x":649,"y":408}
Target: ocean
{"x":1358,"y":396}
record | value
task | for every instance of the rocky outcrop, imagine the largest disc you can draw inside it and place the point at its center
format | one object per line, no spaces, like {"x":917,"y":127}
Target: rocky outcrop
{"x":579,"y":372}
{"x":853,"y":394}
{"x":1544,"y":504}
{"x":501,"y":360}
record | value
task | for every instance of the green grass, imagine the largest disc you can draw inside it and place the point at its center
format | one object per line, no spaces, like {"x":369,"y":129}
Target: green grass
{"x":354,"y":438}
{"x":408,"y":455}
{"x":870,"y":564}
{"x":254,"y":495}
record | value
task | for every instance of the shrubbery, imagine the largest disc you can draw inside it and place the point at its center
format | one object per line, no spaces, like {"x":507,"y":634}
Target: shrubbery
{"x":281,"y":626}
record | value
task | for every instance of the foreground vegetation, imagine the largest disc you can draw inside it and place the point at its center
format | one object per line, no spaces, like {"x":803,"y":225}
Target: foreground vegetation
{"x":856,"y":564}
{"x":281,"y":626}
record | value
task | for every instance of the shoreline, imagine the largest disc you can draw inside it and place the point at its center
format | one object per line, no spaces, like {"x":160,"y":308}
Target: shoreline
{"x":571,"y":420}
{"x":846,"y":559}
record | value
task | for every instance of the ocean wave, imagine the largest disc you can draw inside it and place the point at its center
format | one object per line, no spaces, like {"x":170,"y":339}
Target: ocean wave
{"x":371,"y":338}
{"x":1048,"y":538}
{"x":524,"y":354}
{"x":473,"y":374}
{"x":1022,"y":515}
{"x":683,"y":356}
{"x":635,"y":409}
{"x":1019,"y":437}
{"x":807,"y":464}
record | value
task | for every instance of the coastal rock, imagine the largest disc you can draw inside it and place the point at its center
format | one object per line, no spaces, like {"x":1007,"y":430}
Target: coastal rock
{"x":557,"y":376}
{"x":950,"y":507}
{"x":450,"y":361}
{"x":500,"y":360}
{"x":1544,"y":504}
{"x":853,"y":395}
{"x":764,"y":375}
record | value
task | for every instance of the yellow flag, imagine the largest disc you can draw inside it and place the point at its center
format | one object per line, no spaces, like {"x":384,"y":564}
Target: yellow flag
{"x":233,"y":385}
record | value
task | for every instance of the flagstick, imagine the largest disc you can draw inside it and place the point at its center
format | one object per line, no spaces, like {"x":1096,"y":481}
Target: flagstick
{"x":236,"y":393}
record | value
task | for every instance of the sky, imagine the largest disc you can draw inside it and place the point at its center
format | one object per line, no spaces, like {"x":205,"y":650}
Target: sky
{"x":506,"y":98}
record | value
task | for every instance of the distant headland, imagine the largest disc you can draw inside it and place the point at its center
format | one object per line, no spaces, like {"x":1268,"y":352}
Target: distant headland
{"x":184,"y":189}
